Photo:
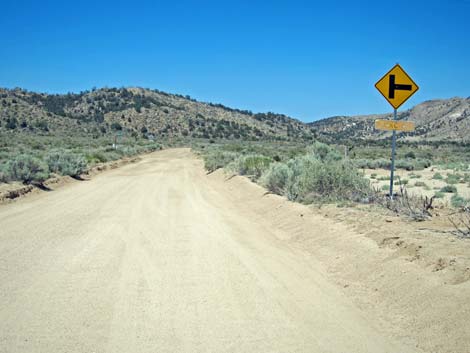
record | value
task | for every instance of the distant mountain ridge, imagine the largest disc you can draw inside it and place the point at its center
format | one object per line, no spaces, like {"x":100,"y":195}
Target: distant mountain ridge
{"x":141,"y":111}
{"x":438,"y":119}
{"x":146,"y":112}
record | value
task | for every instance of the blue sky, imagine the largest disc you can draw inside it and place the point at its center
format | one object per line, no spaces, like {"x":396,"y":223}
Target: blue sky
{"x":307,"y":59}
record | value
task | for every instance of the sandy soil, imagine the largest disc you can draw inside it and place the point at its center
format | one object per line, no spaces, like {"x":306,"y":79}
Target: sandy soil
{"x":421,"y":176}
{"x":160,"y":257}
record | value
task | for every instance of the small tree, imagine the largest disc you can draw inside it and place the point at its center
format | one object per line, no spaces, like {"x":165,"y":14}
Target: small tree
{"x":116,"y":126}
{"x":11,"y":123}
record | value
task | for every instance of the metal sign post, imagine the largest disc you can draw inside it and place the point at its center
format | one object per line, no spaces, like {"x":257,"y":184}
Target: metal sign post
{"x":394,"y":147}
{"x":396,"y":87}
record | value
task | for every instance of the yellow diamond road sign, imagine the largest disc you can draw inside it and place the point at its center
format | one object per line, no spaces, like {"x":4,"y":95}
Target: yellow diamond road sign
{"x":390,"y":125}
{"x":396,"y":86}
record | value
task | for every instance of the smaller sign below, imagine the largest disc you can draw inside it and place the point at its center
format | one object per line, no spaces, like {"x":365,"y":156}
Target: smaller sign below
{"x":390,"y":125}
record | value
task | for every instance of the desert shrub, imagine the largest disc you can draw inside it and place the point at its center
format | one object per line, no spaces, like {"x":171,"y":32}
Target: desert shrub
{"x":412,"y":164}
{"x":415,"y":207}
{"x":437,"y":176}
{"x":96,"y":157}
{"x":218,"y":159}
{"x":373,"y":176}
{"x":386,"y":177}
{"x":407,"y":164}
{"x":11,"y":123}
{"x":362,"y":163}
{"x":401,"y":182}
{"x":114,"y":154}
{"x":439,"y":195}
{"x":420,"y":164}
{"x":323,"y":152}
{"x":27,"y":169}
{"x":414,"y":176}
{"x":372,"y":163}
{"x":456,"y":166}
{"x":404,"y":164}
{"x":453,"y":178}
{"x":252,"y":165}
{"x":449,"y":189}
{"x":116,"y":126}
{"x":130,"y":151}
{"x":66,"y":163}
{"x":385,"y":187}
{"x":154,"y":147}
{"x":420,"y":184}
{"x":275,"y":177}
{"x":3,"y":174}
{"x":458,"y":201}
{"x":311,"y":179}
{"x":461,"y":222}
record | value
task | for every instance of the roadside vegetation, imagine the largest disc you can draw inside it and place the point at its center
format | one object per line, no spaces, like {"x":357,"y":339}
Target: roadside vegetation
{"x":313,"y":173}
{"x":321,"y":173}
{"x":33,"y":158}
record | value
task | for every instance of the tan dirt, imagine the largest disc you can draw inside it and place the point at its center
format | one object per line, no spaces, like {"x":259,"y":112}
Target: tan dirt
{"x":160,"y":257}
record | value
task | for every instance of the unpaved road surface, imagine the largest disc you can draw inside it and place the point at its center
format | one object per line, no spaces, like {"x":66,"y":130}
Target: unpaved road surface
{"x":153,"y":257}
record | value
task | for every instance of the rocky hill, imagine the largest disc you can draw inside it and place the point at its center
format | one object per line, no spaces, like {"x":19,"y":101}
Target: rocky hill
{"x":145,"y":112}
{"x":140,"y":111}
{"x":440,"y":119}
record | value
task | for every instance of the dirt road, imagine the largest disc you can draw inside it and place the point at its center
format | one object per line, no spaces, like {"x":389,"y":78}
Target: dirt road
{"x":153,"y":257}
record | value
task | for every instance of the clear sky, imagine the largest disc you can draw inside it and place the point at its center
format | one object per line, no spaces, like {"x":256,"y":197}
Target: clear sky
{"x":307,"y":59}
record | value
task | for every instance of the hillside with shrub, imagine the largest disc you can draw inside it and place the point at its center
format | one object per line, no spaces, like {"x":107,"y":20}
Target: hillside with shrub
{"x":435,"y":120}
{"x":65,"y":134}
{"x":141,"y":112}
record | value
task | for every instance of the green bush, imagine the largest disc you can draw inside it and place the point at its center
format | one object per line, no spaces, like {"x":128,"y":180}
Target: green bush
{"x":449,"y":189}
{"x":27,"y":169}
{"x":3,"y":174}
{"x":96,"y":157}
{"x":252,"y":165}
{"x":323,"y":152}
{"x":414,"y":176}
{"x":372,"y":163}
{"x":66,"y":163}
{"x":275,"y":178}
{"x":407,"y":164}
{"x":311,"y":179}
{"x":154,"y":147}
{"x":458,"y":201}
{"x":218,"y":159}
{"x":412,"y":164}
{"x":420,"y":184}
{"x":453,"y":178}
{"x":401,"y":182}
{"x":439,"y":195}
{"x":382,"y":178}
{"x":437,"y":176}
